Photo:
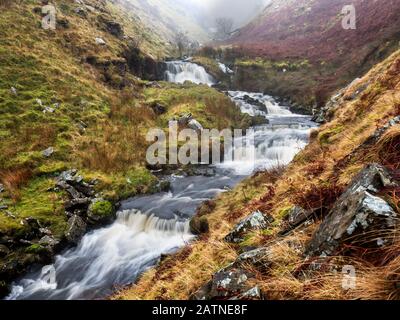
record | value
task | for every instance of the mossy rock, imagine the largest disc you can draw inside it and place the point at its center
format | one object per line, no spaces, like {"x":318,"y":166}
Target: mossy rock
{"x":101,"y":212}
{"x":199,"y":225}
{"x":35,"y":249}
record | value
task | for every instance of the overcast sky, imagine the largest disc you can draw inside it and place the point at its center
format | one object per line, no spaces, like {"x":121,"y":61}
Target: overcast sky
{"x":240,"y":10}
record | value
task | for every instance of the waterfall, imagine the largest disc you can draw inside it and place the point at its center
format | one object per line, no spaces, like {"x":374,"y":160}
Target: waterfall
{"x":181,"y":71}
{"x":107,"y":257}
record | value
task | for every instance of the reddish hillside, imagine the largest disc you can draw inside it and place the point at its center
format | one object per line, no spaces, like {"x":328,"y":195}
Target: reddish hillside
{"x":312,"y":30}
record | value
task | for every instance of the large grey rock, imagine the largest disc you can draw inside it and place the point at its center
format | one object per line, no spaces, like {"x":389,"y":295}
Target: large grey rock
{"x":256,"y":221}
{"x":358,"y":216}
{"x":76,"y":229}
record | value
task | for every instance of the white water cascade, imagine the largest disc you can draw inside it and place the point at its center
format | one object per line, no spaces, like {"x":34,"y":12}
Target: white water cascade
{"x":151,"y":225}
{"x":181,"y":71}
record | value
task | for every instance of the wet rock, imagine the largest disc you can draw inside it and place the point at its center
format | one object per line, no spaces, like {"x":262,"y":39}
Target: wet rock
{"x":48,"y":152}
{"x":49,"y":242}
{"x":76,"y":229}
{"x":100,"y":212}
{"x":254,"y":102}
{"x":199,"y":225}
{"x":225,"y":284}
{"x":358,"y":216}
{"x":158,"y":108}
{"x":256,"y":221}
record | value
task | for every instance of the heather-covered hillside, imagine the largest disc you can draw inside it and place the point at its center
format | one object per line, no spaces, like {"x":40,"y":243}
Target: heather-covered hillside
{"x":311,"y":30}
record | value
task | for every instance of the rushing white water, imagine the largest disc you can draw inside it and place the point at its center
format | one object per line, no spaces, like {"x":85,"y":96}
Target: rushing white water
{"x":181,"y":71}
{"x":152,"y":225}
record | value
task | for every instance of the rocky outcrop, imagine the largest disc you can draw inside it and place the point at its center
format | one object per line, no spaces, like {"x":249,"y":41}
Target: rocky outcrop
{"x":256,"y":221}
{"x":296,"y":217}
{"x":232,"y":282}
{"x":359,"y":216}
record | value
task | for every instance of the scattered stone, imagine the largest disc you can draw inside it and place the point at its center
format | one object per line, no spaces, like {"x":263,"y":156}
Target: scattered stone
{"x":49,"y":242}
{"x":39,"y":102}
{"x":153,"y":84}
{"x":100,"y":41}
{"x":195,"y":125}
{"x":114,"y":28}
{"x":76,"y":229}
{"x":63,"y":23}
{"x":256,"y":221}
{"x":48,"y":152}
{"x":81,"y":12}
{"x":158,"y":108}
{"x":48,"y":110}
{"x":14,"y":91}
{"x":358,"y":216}
{"x":225,"y":284}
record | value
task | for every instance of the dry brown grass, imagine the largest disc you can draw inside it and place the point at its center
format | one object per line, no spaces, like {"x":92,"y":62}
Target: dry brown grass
{"x":14,"y":179}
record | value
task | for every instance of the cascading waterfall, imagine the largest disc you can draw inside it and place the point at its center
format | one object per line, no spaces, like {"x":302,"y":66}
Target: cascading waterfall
{"x":181,"y":71}
{"x":152,"y":225}
{"x":107,"y":257}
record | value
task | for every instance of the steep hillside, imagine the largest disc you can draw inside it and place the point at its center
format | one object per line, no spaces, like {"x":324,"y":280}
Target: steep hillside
{"x":302,"y":46}
{"x":73,"y":98}
{"x":168,"y":18}
{"x":311,"y":224}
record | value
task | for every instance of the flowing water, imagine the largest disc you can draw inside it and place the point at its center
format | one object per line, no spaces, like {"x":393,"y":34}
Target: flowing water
{"x":181,"y":71}
{"x":152,"y":225}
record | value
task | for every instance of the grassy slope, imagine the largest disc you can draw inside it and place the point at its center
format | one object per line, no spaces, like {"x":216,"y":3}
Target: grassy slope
{"x":50,"y":66}
{"x":314,"y":179}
